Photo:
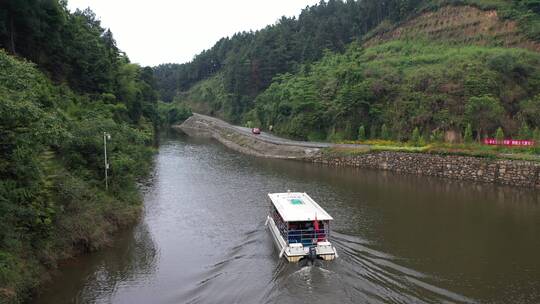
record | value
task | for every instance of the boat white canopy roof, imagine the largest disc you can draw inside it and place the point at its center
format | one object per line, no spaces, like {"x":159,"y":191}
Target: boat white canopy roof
{"x":298,"y":207}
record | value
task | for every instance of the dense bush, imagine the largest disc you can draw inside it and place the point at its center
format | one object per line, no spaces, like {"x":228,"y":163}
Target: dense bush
{"x":172,"y":113}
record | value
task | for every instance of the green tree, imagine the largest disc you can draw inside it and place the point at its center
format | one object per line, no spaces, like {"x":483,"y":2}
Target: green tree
{"x":525,"y":132}
{"x":468,"y":137}
{"x":385,"y":133}
{"x":437,"y":136}
{"x":499,"y":135}
{"x":362,"y":133}
{"x":536,"y":134}
{"x":415,"y":137}
{"x":484,"y":113}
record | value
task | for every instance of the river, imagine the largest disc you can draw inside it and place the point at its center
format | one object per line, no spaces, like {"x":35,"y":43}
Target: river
{"x":400,"y":238}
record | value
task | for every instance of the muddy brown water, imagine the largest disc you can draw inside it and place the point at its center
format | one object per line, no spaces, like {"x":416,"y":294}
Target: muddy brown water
{"x":400,"y":238}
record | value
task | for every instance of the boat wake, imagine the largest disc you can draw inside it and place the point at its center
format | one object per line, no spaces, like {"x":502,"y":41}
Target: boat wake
{"x":236,"y":276}
{"x":377,"y":277}
{"x":251,"y":272}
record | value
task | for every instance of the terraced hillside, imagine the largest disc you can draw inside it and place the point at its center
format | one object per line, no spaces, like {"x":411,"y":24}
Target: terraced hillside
{"x":457,"y":25}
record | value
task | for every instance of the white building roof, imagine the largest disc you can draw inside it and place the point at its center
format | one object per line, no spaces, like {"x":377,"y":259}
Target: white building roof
{"x":296,"y":206}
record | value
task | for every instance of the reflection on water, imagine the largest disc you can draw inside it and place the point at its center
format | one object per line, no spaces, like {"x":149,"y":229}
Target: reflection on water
{"x":135,"y":265}
{"x":400,"y":239}
{"x":96,"y":277}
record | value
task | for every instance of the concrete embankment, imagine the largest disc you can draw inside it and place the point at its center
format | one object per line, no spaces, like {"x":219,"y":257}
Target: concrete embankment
{"x":478,"y":169}
{"x":242,"y":140}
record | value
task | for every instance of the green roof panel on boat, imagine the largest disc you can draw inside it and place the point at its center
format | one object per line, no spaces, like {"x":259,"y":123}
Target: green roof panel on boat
{"x":296,"y":201}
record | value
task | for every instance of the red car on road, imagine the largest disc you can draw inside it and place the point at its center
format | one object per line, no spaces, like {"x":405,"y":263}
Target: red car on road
{"x":256,"y":131}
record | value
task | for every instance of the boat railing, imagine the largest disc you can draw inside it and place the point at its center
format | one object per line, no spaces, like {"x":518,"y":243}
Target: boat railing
{"x":307,"y":237}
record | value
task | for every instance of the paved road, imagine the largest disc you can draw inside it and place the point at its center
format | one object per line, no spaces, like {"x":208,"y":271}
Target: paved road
{"x":270,"y":138}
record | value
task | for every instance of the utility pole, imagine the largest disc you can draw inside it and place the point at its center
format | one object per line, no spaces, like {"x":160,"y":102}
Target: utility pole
{"x":106,"y":136}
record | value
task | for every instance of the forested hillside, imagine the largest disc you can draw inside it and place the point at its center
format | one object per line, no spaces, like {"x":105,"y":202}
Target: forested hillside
{"x":63,"y":83}
{"x":304,"y":76}
{"x":249,"y":60}
{"x":393,"y":88}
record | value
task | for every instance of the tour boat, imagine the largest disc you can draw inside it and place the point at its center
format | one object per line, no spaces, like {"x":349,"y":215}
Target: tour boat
{"x":300,"y":227}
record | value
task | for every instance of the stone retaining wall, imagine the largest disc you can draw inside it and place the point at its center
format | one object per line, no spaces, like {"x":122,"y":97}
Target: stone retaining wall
{"x":507,"y":172}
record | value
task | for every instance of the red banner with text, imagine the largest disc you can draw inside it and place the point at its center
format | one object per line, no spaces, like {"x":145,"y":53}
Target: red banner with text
{"x":509,"y":142}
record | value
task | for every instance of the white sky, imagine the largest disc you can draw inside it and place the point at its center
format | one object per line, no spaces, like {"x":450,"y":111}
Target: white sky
{"x":173,"y":31}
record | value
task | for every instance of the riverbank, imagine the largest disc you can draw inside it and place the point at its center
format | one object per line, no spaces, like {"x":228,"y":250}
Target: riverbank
{"x":243,"y":141}
{"x":470,"y":168}
{"x":86,"y":228}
